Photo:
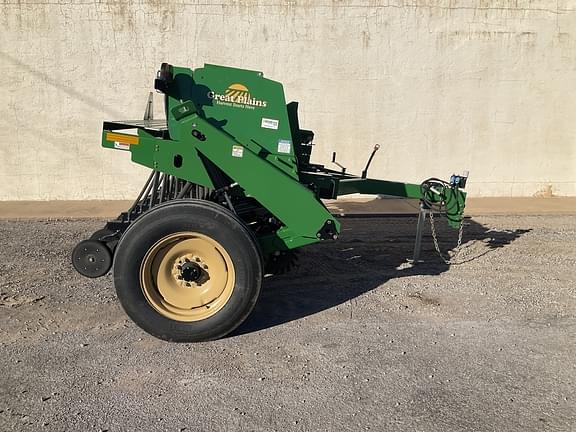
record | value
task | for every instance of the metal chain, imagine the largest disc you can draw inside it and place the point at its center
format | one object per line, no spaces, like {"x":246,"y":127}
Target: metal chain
{"x":449,"y":260}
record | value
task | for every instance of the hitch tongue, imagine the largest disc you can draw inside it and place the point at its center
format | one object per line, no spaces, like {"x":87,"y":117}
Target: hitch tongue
{"x":365,"y":172}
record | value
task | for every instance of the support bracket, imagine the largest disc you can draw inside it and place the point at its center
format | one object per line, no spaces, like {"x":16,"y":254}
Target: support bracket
{"x":424,"y":211}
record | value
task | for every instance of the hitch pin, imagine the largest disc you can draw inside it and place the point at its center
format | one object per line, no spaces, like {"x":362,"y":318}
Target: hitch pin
{"x":435,"y":191}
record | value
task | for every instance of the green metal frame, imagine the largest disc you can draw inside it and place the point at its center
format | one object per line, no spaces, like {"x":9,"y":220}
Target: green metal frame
{"x":238,"y":120}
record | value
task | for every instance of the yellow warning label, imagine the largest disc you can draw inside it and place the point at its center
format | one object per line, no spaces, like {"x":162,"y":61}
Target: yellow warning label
{"x":122,"y":138}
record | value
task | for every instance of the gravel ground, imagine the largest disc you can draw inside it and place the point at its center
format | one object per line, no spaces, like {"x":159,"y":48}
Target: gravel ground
{"x":354,"y":339}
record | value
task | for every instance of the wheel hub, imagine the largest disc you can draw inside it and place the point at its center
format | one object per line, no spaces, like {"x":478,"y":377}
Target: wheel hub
{"x":190,"y":271}
{"x":187,"y":276}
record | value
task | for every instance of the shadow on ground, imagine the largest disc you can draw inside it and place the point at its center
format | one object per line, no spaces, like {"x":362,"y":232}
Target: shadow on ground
{"x":369,"y":253}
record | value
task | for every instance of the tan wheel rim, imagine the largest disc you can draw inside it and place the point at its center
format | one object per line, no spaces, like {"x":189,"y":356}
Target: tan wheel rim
{"x":187,"y":276}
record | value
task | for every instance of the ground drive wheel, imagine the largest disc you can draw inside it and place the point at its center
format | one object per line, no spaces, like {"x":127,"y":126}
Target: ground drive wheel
{"x":188,"y":271}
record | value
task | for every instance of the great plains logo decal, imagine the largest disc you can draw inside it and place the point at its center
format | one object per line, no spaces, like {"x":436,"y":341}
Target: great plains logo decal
{"x":237,"y":96}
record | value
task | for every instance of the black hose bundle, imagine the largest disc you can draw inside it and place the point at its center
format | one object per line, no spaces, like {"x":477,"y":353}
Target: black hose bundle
{"x":434,"y":193}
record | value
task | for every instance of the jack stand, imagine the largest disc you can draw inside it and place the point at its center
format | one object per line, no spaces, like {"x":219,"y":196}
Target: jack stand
{"x":424,"y":210}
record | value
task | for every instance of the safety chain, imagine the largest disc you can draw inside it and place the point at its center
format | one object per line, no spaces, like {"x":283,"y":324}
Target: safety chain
{"x":457,"y":250}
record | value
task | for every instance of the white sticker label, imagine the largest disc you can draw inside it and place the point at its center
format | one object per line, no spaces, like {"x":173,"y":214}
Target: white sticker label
{"x":121,"y":146}
{"x":269,"y":123}
{"x":284,"y":146}
{"x":237,"y":151}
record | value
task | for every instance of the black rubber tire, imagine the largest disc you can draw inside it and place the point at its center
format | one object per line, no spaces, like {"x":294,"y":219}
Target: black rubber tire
{"x":199,"y":216}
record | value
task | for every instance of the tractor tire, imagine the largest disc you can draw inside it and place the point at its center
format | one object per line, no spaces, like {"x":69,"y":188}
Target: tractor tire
{"x":188,"y":271}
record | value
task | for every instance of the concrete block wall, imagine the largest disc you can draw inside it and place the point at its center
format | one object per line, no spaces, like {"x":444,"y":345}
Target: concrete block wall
{"x":441,"y":85}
